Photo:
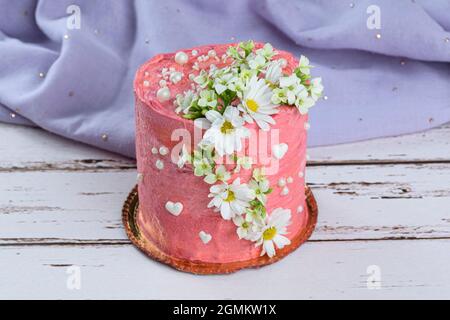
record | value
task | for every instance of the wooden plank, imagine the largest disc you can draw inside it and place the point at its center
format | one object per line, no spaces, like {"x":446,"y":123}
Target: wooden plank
{"x":410,"y":269}
{"x":355,"y":202}
{"x":428,"y":146}
{"x":27,"y":149}
{"x":24,"y":148}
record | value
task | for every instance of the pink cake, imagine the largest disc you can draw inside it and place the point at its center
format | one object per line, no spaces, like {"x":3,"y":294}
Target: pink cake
{"x":250,"y":212}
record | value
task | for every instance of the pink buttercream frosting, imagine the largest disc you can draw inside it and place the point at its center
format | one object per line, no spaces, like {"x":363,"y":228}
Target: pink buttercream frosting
{"x":178,"y":236}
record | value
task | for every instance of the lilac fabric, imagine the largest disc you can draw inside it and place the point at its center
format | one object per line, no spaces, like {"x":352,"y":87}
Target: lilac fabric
{"x":396,"y":83}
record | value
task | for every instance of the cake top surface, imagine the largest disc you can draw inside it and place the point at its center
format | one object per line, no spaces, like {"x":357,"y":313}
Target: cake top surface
{"x":169,"y":82}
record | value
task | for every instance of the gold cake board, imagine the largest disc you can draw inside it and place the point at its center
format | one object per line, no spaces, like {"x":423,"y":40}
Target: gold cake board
{"x":129,"y":216}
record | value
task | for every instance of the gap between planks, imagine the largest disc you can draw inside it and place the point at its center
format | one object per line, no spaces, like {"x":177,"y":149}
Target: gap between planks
{"x":97,"y":165}
{"x":21,"y":242}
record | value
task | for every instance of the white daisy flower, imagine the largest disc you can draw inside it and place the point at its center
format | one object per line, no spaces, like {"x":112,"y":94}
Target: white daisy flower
{"x":316,"y":88}
{"x":272,"y":234}
{"x":202,"y":167}
{"x":261,"y":189}
{"x":246,"y":229}
{"x":184,"y":101}
{"x":255,"y":217}
{"x":231,"y":200}
{"x":221,"y":174}
{"x":303,"y":104}
{"x":303,"y":65}
{"x":222,"y":82}
{"x":293,"y":85}
{"x":226,"y":131}
{"x":267,"y":51}
{"x":274,"y":72}
{"x":257,"y":104}
{"x":259,"y":174}
{"x":243,"y":162}
{"x":202,"y":79}
{"x":256,"y":62}
{"x":208,"y":98}
{"x":279,"y":96}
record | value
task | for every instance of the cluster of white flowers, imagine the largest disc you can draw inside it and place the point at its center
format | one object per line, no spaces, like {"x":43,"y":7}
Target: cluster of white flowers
{"x":245,"y":205}
{"x":249,"y":90}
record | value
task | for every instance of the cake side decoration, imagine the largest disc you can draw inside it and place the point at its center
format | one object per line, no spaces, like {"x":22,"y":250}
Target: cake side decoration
{"x":248,"y":89}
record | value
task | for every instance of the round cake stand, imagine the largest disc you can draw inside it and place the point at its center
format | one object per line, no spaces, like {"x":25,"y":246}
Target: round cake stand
{"x":129,"y":217}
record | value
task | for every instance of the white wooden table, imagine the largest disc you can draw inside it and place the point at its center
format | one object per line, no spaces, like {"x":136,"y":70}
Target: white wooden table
{"x":384,"y":205}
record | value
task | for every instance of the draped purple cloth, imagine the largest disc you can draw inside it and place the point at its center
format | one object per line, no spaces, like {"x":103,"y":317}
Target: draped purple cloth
{"x":80,"y":85}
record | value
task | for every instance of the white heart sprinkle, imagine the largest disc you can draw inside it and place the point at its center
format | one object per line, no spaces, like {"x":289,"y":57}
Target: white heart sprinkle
{"x":174,"y":208}
{"x":279,"y":150}
{"x":205,"y":237}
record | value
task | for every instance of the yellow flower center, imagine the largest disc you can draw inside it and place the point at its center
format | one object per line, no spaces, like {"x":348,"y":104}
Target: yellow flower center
{"x":270,"y":233}
{"x":230,"y":196}
{"x":245,"y":225}
{"x":227,"y":127}
{"x":252,"y":105}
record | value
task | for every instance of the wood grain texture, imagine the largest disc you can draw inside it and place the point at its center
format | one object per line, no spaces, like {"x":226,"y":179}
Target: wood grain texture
{"x":429,"y":146}
{"x":31,"y":149}
{"x":333,"y":270}
{"x":383,"y":202}
{"x":355,"y":202}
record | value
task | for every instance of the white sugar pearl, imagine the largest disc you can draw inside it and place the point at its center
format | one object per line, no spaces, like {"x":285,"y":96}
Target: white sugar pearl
{"x":163,"y":94}
{"x":283,"y":63}
{"x":194,"y":52}
{"x":154,"y":150}
{"x":175,"y":77}
{"x":300,"y":209}
{"x":211,"y":53}
{"x":159,"y":164}
{"x":281,"y":182}
{"x":285,"y":191}
{"x":290,"y":180}
{"x":181,"y":58}
{"x":163,"y":150}
{"x":307,"y":126}
{"x":301,"y":174}
{"x":162,"y":83}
